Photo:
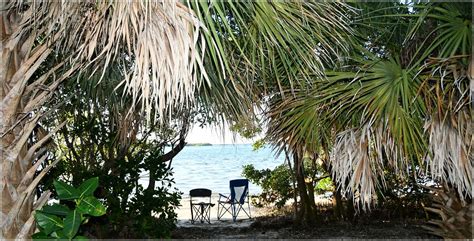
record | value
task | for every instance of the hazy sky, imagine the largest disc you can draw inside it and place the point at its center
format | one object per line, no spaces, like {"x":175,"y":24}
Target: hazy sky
{"x":214,"y":135}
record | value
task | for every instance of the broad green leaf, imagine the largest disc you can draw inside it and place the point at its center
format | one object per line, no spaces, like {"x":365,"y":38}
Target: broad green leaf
{"x":91,"y":205}
{"x":78,"y":237}
{"x":58,"y":235}
{"x":71,"y":224}
{"x":65,"y":191}
{"x":40,"y":235}
{"x":48,"y":222}
{"x":56,"y":209}
{"x":88,"y":187}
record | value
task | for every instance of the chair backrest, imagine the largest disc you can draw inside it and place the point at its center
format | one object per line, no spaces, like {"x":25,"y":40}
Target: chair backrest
{"x":239,"y":190}
{"x":200,"y":192}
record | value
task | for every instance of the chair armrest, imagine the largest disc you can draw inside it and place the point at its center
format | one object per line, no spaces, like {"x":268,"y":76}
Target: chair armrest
{"x":223,"y":196}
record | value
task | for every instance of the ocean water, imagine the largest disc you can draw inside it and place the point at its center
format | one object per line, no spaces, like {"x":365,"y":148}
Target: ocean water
{"x":213,"y":166}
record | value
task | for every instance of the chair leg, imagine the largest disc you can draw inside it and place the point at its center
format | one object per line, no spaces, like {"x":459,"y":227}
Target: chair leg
{"x":192,"y":215}
{"x":234,"y":214}
{"x":208,"y":214}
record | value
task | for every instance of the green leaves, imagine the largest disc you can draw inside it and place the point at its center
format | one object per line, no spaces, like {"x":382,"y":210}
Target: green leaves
{"x":91,"y":206}
{"x":48,"y":222}
{"x":71,"y":224}
{"x":268,"y":47}
{"x":88,"y":187}
{"x":56,"y":209}
{"x":454,"y":31}
{"x":66,"y":226}
{"x":65,"y":191}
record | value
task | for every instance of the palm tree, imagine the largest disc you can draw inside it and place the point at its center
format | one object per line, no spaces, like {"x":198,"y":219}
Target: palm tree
{"x":46,"y":43}
{"x":164,"y":49}
{"x":400,"y":103}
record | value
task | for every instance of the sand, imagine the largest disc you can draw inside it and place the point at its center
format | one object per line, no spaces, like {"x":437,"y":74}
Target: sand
{"x":264,"y":226}
{"x":184,"y":215}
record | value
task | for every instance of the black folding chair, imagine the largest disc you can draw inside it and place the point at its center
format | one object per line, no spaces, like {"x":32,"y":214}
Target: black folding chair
{"x":239,"y":195}
{"x":200,"y":206}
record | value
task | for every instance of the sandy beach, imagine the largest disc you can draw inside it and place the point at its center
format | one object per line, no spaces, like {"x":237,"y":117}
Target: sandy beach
{"x":184,"y":215}
{"x":262,"y":226}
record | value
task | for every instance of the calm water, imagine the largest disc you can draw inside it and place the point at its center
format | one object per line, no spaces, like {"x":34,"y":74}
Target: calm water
{"x":213,"y":166}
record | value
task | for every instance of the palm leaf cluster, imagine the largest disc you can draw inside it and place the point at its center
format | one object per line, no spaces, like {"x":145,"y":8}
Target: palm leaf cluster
{"x":406,"y":110}
{"x":155,"y":43}
{"x":268,"y":47}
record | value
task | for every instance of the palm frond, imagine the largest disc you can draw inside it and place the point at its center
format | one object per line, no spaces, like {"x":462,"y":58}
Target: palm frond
{"x":452,"y":35}
{"x":381,"y":92}
{"x":269,"y":47}
{"x":450,"y":158}
{"x":154,"y":42}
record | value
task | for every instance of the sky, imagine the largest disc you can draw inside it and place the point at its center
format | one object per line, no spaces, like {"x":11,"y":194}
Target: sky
{"x":214,"y":135}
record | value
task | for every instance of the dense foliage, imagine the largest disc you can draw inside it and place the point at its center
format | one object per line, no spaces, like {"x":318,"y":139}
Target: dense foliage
{"x":123,"y":150}
{"x":60,"y":221}
{"x":278,"y":184}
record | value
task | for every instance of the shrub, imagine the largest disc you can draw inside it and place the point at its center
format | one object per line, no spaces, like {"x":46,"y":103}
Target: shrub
{"x":58,"y":221}
{"x":276,"y":184}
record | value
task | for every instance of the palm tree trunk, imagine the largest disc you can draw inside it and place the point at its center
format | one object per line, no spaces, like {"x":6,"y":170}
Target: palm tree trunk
{"x":19,"y":115}
{"x":13,"y":150}
{"x":338,"y":208}
{"x":350,"y":211}
{"x":293,"y":182}
{"x":306,"y":212}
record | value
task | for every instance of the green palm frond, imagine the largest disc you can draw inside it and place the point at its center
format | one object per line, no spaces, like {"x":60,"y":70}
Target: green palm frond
{"x":381,"y":92}
{"x":452,"y":35}
{"x":269,"y":47}
{"x":383,"y":98}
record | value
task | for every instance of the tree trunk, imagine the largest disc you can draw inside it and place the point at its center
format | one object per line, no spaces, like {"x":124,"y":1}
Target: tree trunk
{"x":452,"y":217}
{"x":310,"y":189}
{"x":293,"y":181}
{"x":350,"y":211}
{"x":15,"y":209}
{"x":20,"y":112}
{"x":337,"y":203}
{"x":306,"y":212}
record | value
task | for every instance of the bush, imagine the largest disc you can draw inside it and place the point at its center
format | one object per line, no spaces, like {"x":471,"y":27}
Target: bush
{"x":58,"y":221}
{"x":276,"y":184}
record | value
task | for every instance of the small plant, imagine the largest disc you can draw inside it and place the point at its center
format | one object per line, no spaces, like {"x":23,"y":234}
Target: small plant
{"x":59,"y":221}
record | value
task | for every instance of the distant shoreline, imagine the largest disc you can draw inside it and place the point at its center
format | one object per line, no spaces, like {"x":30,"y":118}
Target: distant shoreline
{"x":220,"y":144}
{"x":198,"y":144}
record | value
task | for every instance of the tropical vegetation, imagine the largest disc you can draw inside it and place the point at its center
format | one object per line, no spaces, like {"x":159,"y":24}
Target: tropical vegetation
{"x":58,"y":221}
{"x":371,"y":91}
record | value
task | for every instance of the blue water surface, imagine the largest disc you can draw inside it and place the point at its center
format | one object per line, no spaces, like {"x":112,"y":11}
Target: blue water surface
{"x":213,"y":166}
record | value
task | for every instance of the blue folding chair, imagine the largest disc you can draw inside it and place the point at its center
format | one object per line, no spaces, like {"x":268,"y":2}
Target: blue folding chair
{"x":239,"y":195}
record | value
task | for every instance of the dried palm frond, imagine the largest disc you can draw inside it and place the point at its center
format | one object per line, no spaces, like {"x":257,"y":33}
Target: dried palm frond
{"x":351,"y":159}
{"x":155,"y":43}
{"x":456,"y":215}
{"x":359,"y":158}
{"x":450,"y":158}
